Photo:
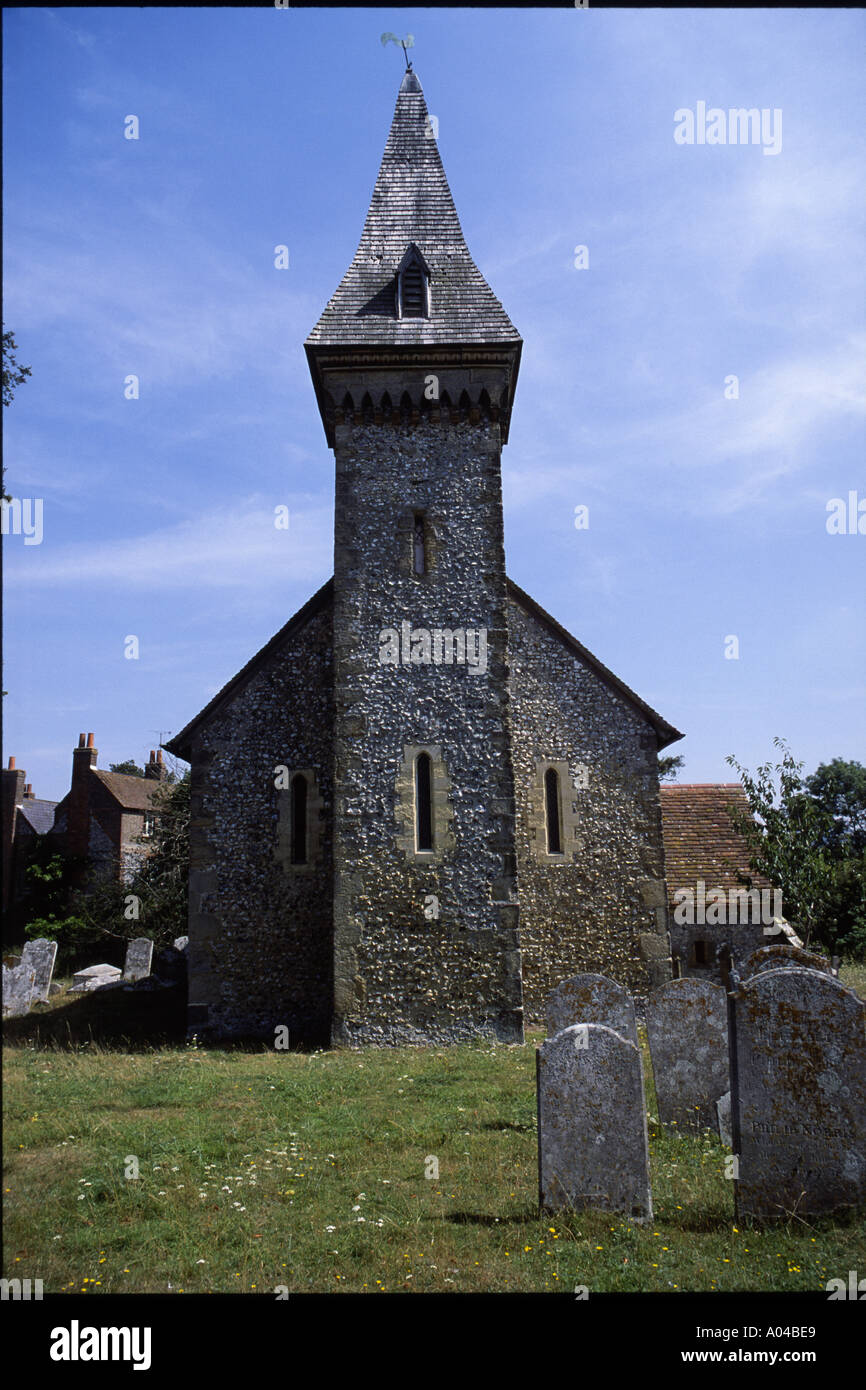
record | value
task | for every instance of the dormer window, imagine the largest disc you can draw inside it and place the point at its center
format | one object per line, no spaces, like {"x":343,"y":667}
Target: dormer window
{"x":413,"y":286}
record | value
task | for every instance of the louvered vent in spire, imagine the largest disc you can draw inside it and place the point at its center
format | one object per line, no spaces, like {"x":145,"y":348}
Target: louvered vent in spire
{"x":413,"y":286}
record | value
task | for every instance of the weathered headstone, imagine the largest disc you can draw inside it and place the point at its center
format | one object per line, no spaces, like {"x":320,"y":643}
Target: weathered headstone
{"x":95,"y":977}
{"x":139,"y":954}
{"x":18,"y":982}
{"x":781,"y":957}
{"x":39,"y":956}
{"x":687,"y":1027}
{"x":723,"y":1112}
{"x":798,"y":1094}
{"x":591,"y":999}
{"x":592,"y":1132}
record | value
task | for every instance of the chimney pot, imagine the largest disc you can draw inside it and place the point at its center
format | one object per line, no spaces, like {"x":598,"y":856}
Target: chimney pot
{"x":159,"y":755}
{"x":11,"y":764}
{"x":81,"y":740}
{"x":90,"y":740}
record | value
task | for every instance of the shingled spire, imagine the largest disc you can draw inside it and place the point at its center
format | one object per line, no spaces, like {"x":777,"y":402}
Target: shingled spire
{"x":411,"y":207}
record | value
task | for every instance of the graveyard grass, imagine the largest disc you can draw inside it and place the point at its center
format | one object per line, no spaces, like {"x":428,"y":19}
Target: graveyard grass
{"x":307,"y":1170}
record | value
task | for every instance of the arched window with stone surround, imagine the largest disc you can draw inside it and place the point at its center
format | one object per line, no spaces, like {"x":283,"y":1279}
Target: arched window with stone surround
{"x":299,"y":819}
{"x":552,"y":816}
{"x":423,"y":803}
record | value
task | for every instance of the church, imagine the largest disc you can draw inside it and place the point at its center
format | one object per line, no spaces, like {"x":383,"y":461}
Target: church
{"x":423,"y":803}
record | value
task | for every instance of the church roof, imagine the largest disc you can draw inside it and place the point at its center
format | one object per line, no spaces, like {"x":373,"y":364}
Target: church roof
{"x":412,"y":203}
{"x":700,"y":841}
{"x":180,"y":745}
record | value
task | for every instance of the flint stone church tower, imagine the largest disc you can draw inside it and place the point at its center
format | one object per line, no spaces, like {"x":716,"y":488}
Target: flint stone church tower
{"x":422,"y":803}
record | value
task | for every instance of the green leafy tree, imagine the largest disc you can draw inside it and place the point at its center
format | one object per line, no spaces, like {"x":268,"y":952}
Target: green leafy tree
{"x":163,"y":878}
{"x":669,"y":766}
{"x":840,"y":787}
{"x":129,"y":768}
{"x":794,"y":841}
{"x":13,"y":373}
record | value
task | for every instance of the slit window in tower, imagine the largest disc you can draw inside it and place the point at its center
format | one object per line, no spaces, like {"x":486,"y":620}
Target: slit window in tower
{"x":419,"y":564}
{"x":551,"y":805}
{"x":423,"y":803}
{"x":299,"y":819}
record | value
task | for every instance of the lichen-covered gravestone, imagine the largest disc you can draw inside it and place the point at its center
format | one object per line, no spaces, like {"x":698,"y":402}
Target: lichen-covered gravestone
{"x":687,"y":1027}
{"x":798,"y":1094}
{"x":782,"y":957}
{"x":139,"y":954}
{"x":592,"y":1133}
{"x":39,"y":956}
{"x":591,"y":999}
{"x":18,"y":984}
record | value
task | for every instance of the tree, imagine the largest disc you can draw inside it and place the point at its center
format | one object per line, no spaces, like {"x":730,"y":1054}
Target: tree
{"x":163,"y":879}
{"x":129,"y":768}
{"x":13,"y":374}
{"x":669,"y":766}
{"x":795,"y":841}
{"x":840,"y":787}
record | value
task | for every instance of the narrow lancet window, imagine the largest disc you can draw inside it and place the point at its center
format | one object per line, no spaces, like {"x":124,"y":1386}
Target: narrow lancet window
{"x":423,"y":802}
{"x":419,"y":563}
{"x":299,"y":819}
{"x":551,"y":805}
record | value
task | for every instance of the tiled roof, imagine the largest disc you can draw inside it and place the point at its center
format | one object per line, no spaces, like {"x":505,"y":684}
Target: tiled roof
{"x":133,"y":793}
{"x":38,"y":814}
{"x":699,"y":839}
{"x":412,"y":202}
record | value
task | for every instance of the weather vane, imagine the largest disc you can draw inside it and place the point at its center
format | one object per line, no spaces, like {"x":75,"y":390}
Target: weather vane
{"x":408,"y":42}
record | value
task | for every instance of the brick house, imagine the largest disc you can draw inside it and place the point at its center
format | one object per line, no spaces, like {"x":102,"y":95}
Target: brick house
{"x":106,"y":816}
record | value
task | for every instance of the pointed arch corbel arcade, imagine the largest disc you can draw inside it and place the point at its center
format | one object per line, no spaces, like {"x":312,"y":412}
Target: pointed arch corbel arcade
{"x":406,"y":387}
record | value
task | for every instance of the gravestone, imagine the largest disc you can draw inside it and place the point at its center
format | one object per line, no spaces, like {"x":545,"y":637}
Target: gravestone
{"x":723,"y":1111}
{"x":139,"y":954}
{"x":687,"y":1027}
{"x":39,"y":956}
{"x":798,"y":1094}
{"x":592,"y":1133}
{"x":591,"y":999}
{"x":781,"y":957}
{"x":18,"y":982}
{"x":95,"y":977}
{"x":180,"y":943}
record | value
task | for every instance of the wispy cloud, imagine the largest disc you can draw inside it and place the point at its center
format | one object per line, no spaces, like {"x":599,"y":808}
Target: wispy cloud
{"x":235,"y":547}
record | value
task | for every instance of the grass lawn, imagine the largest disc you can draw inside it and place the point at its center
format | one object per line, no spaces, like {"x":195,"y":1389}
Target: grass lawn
{"x":259,"y":1169}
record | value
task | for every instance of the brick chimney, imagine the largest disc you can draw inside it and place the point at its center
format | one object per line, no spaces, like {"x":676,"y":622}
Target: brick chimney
{"x":28,"y":792}
{"x":156,"y":768}
{"x":12,"y":796}
{"x":78,"y":819}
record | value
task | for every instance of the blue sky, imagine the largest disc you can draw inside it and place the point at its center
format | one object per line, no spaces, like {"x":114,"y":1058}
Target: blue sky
{"x":155,"y":257}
